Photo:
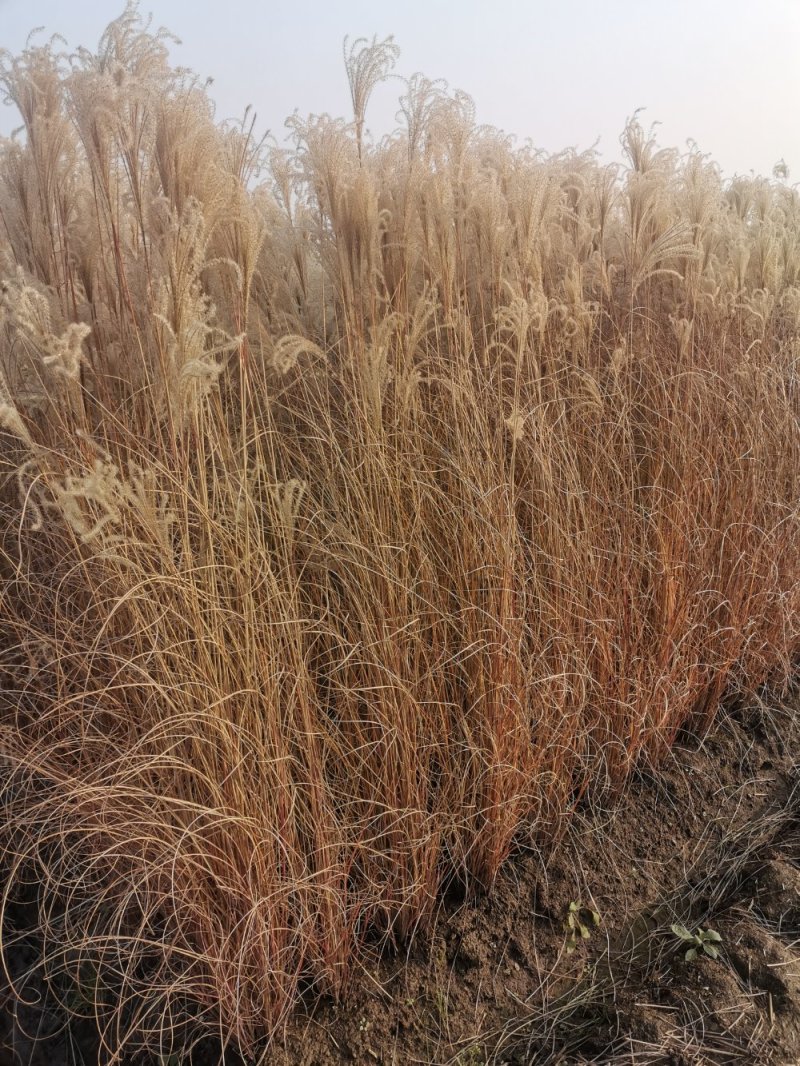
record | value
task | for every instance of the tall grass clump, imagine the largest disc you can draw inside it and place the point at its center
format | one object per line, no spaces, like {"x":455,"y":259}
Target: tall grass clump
{"x":362,"y":505}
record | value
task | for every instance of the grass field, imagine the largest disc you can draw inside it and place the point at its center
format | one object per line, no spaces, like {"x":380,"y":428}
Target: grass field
{"x":363,"y":508}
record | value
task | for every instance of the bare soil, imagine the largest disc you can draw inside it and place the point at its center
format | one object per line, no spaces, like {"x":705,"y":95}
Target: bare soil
{"x":711,"y":839}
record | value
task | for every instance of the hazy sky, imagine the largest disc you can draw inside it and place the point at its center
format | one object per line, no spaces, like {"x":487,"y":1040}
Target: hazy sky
{"x":725,"y":73}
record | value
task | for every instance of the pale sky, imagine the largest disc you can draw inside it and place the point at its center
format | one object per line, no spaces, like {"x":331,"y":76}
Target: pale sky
{"x":725,"y":73}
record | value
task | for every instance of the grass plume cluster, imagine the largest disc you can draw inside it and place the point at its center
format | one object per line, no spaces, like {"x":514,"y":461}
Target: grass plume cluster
{"x":361,"y":506}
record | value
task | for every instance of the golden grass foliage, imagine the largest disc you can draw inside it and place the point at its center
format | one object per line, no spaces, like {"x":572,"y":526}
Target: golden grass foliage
{"x":362,"y":506}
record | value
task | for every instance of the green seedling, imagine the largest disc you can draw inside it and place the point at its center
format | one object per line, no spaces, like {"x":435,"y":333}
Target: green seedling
{"x":441,"y":1006}
{"x":703,"y":940}
{"x":472,"y":1056}
{"x":579,"y":923}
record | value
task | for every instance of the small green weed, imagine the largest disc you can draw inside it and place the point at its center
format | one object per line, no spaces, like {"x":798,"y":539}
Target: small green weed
{"x":472,"y":1056}
{"x":703,"y":940}
{"x":579,"y":923}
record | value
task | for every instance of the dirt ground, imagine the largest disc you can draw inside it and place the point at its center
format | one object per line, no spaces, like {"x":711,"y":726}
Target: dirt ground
{"x":710,"y":839}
